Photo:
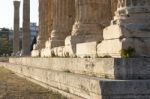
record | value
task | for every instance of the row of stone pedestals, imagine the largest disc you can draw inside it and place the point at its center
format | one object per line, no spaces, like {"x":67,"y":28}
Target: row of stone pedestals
{"x":70,"y":28}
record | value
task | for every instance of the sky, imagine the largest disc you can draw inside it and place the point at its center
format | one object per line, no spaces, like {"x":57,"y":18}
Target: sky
{"x":7,"y":12}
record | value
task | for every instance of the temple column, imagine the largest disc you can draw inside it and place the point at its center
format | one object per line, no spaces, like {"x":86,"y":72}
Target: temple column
{"x":16,"y":27}
{"x":63,"y":18}
{"x":60,"y":24}
{"x":114,"y":4}
{"x":43,"y":27}
{"x":50,"y":18}
{"x":90,"y":20}
{"x":26,"y":28}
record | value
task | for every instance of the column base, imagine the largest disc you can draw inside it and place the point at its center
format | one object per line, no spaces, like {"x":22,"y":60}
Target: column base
{"x":49,"y":45}
{"x":128,"y":47}
{"x":120,"y":42}
{"x":72,"y":41}
{"x":35,"y":53}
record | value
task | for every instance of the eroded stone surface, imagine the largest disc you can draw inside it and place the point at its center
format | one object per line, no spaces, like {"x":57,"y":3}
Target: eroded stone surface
{"x":87,"y":50}
{"x":130,"y":28}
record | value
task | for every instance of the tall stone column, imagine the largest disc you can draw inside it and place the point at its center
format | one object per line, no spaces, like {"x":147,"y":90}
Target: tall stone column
{"x":45,"y":22}
{"x":16,"y":27}
{"x":63,"y":18}
{"x":90,"y":20}
{"x":26,"y":28}
{"x":50,"y":17}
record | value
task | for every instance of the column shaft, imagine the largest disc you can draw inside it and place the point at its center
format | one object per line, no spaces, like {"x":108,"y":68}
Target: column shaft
{"x":26,"y":28}
{"x":63,"y":18}
{"x":16,"y":27}
{"x":91,"y":18}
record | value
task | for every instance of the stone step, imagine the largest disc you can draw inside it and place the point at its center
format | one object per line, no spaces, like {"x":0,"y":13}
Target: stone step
{"x":108,"y":68}
{"x":84,"y":86}
{"x":125,"y":89}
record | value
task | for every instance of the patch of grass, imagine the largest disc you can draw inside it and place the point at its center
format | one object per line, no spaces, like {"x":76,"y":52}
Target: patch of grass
{"x":127,"y":53}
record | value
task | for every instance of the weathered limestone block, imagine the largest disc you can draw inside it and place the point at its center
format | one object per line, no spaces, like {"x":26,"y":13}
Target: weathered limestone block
{"x":129,"y":29}
{"x":69,"y":48}
{"x":115,"y":46}
{"x":58,"y":51}
{"x":87,"y":50}
{"x":46,"y":52}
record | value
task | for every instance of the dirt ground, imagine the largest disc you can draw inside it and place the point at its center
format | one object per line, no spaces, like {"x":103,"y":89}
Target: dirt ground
{"x":14,"y":87}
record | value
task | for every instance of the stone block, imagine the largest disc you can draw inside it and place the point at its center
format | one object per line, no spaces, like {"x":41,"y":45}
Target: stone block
{"x":86,"y":49}
{"x":70,"y":47}
{"x":125,"y":31}
{"x":46,"y":52}
{"x":113,"y":47}
{"x":58,"y":51}
{"x":35,"y":53}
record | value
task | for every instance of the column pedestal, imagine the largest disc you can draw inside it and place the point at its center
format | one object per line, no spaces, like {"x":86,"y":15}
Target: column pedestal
{"x":128,"y":35}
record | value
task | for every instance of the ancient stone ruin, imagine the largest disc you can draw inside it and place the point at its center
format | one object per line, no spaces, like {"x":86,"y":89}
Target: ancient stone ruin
{"x":94,"y":28}
{"x":89,"y":49}
{"x":128,"y":30}
{"x":64,"y":24}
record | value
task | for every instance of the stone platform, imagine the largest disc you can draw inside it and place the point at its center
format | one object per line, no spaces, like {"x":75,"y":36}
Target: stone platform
{"x":80,"y":78}
{"x":115,"y":68}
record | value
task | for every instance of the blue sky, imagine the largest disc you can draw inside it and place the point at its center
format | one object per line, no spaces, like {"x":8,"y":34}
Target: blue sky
{"x":7,"y":12}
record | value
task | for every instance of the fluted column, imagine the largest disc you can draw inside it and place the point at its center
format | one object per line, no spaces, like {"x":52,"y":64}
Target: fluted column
{"x":43,"y":24}
{"x":46,"y":17}
{"x":26,"y":28}
{"x":91,"y":17}
{"x":50,"y":17}
{"x":63,"y":18}
{"x":114,"y":4}
{"x":16,"y":27}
